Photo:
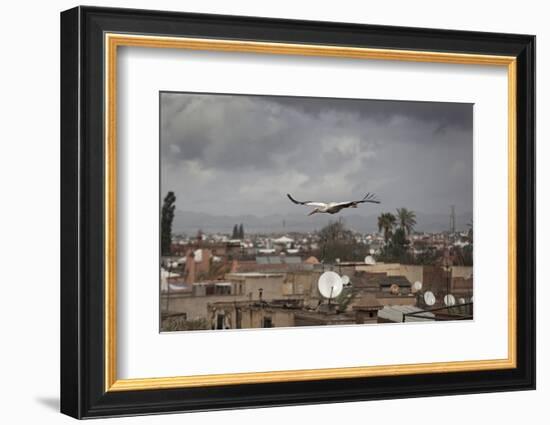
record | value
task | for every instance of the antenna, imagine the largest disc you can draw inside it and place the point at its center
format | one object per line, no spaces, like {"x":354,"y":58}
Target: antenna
{"x":452,"y":220}
{"x":429,"y":298}
{"x":330,"y":285}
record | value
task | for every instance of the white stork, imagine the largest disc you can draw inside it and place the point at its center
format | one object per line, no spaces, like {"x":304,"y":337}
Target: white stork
{"x":334,"y":207}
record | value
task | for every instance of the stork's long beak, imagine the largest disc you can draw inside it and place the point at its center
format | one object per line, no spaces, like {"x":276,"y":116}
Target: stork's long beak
{"x":313,"y":212}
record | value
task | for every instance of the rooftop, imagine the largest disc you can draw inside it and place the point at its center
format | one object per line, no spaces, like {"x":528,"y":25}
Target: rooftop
{"x":278,"y":259}
{"x":395,"y":313}
{"x":255,"y":274}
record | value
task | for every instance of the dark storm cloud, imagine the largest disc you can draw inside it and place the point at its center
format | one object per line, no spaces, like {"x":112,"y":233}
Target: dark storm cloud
{"x":240,"y":155}
{"x":454,"y":115}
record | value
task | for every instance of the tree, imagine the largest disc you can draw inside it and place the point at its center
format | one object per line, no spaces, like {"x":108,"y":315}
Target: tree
{"x":334,"y":230}
{"x":241,"y":231}
{"x":386,"y":221}
{"x":463,"y":256}
{"x":429,"y":257}
{"x":468,"y":255}
{"x":336,"y":241}
{"x":167,"y":217}
{"x":396,"y":249}
{"x":398,"y":246}
{"x":406,"y":219}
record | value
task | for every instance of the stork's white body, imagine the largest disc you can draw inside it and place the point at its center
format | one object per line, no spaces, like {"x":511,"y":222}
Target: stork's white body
{"x":334,"y":207}
{"x":330,"y":208}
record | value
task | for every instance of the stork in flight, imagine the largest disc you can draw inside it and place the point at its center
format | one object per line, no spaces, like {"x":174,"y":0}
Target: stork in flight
{"x":334,"y":207}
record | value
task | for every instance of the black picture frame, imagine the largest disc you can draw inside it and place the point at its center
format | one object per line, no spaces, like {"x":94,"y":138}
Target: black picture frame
{"x":83,"y":392}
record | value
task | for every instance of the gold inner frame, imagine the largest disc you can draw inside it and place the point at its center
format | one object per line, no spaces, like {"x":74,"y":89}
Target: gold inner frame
{"x":113,"y":41}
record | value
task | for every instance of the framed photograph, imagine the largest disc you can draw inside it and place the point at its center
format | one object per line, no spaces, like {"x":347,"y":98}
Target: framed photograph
{"x":261,"y":212}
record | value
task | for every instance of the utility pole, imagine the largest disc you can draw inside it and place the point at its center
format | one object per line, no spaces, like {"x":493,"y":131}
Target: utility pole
{"x":452,"y":220}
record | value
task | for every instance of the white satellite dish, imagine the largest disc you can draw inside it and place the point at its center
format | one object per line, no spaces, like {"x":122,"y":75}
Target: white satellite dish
{"x":449,"y":300}
{"x":462,"y":301}
{"x":417,"y":286}
{"x":370,"y":260}
{"x":345,"y":279}
{"x":372,"y":251}
{"x":330,"y":285}
{"x":472,"y":299}
{"x":429,"y":298}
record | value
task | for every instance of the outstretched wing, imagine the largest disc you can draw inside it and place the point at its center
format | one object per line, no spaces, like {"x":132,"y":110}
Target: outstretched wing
{"x":369,"y":197}
{"x":308,"y":203}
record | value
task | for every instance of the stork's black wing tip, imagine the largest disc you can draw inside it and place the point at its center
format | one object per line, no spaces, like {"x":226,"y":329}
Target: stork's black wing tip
{"x":295,"y":201}
{"x":372,"y":198}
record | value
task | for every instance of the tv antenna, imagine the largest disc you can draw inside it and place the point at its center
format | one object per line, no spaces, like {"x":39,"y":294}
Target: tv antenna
{"x":330,"y":285}
{"x":370,"y":260}
{"x":449,"y":300}
{"x":429,"y":298}
{"x":345,"y":280}
{"x":452,"y":220}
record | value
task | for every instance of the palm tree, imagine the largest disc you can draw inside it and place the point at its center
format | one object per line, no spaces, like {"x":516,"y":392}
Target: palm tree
{"x":386,"y":221}
{"x":407,"y":219}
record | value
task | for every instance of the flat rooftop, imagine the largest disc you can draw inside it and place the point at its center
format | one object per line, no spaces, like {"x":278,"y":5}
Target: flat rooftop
{"x":255,"y":274}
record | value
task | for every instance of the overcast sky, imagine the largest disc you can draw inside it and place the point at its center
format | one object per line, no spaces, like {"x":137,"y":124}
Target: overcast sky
{"x":237,"y":155}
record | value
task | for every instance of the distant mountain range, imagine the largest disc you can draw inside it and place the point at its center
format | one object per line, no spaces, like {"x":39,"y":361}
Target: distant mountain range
{"x":190,"y":222}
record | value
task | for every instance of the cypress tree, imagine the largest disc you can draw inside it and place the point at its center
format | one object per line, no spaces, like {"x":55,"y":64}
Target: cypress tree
{"x":167,"y":217}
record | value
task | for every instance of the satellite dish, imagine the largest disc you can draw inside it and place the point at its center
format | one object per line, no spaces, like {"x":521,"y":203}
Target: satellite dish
{"x":462,"y":301}
{"x":345,"y":279}
{"x":417,"y":286}
{"x":394,"y":289}
{"x":370,"y":260}
{"x":429,"y":298}
{"x":372,"y":251}
{"x":330,"y":285}
{"x":449,"y":300}
{"x":472,"y":299}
